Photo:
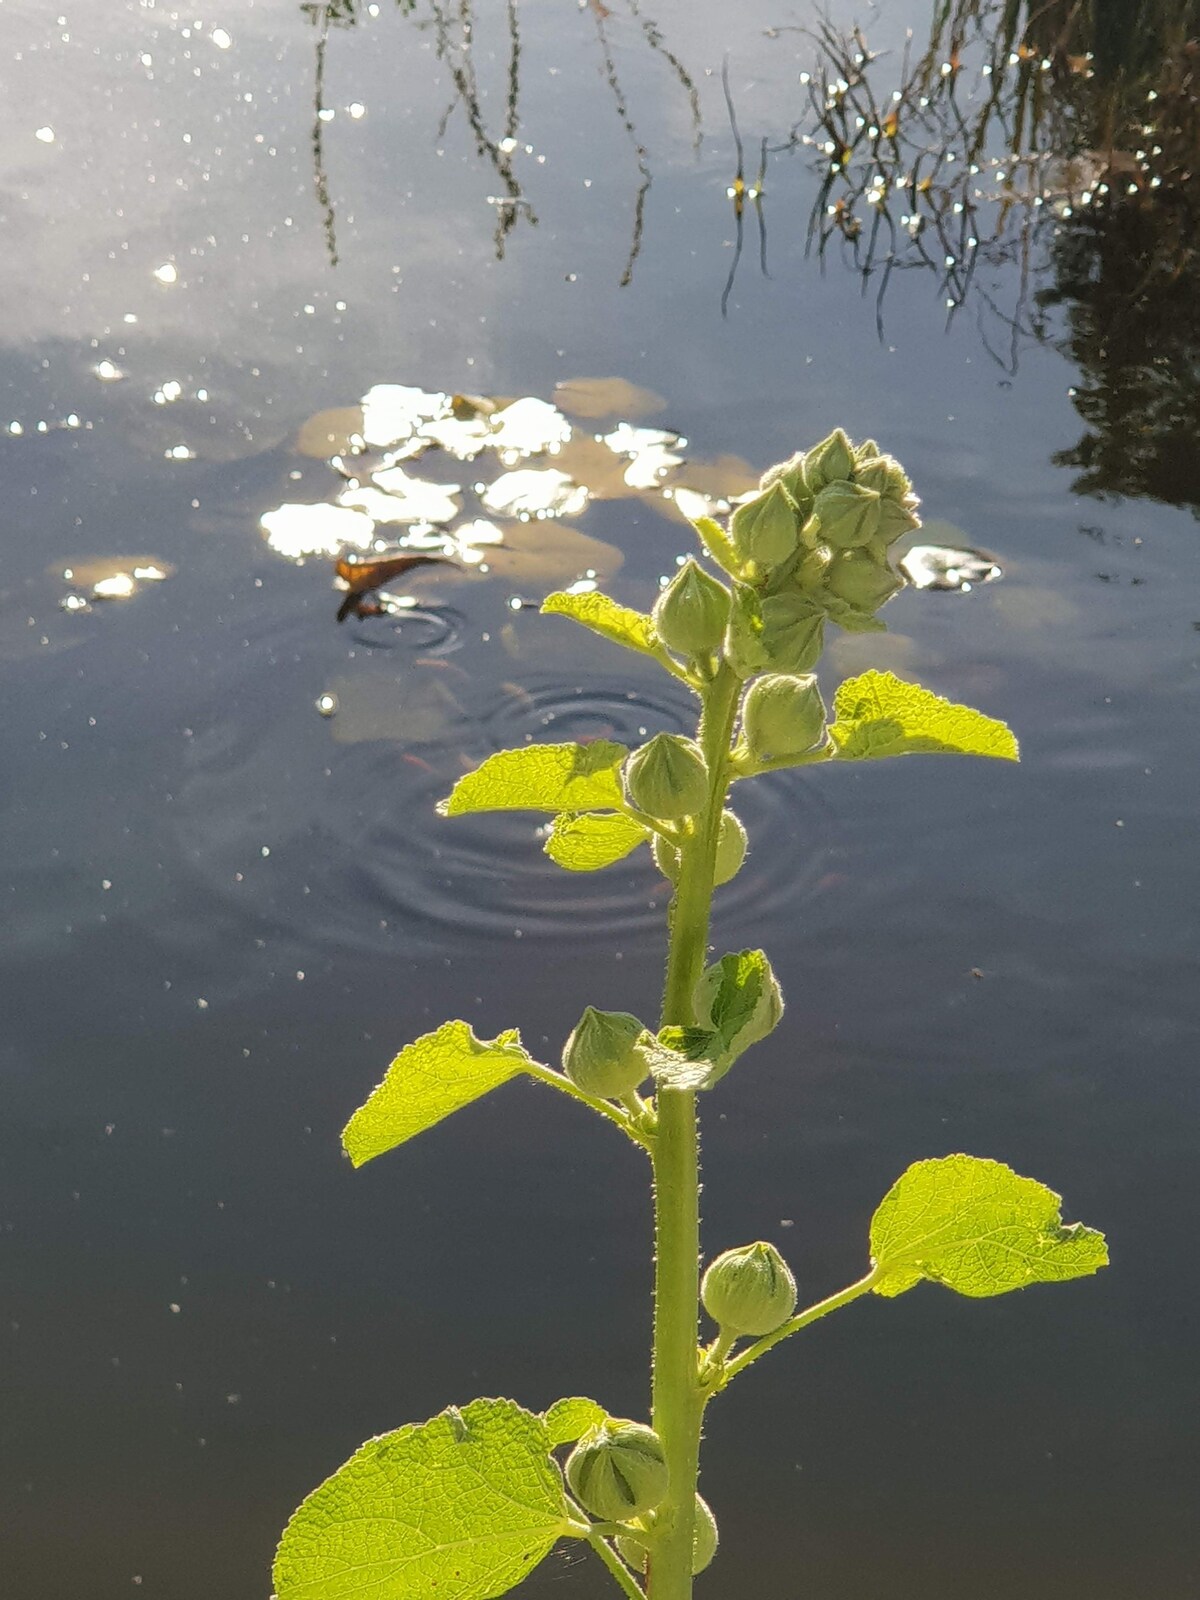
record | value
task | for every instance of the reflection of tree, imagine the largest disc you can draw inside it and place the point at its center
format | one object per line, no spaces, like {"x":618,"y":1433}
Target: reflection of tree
{"x":1040,"y":156}
{"x":453,"y":23}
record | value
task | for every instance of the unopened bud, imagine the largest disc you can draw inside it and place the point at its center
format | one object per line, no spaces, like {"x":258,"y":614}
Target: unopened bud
{"x":749,"y":1291}
{"x":848,"y":514}
{"x":783,"y":715}
{"x":898,"y":517}
{"x":731,"y":852}
{"x":602,"y":1057}
{"x":667,"y":778}
{"x":861,"y":581}
{"x":790,"y":474}
{"x":828,"y":461}
{"x":792,"y":629}
{"x":618,"y":1470}
{"x":704,"y":1541}
{"x":766,"y":529}
{"x":691,"y":612}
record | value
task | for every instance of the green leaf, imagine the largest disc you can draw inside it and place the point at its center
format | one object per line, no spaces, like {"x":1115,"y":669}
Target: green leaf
{"x":568,"y":1420}
{"x":879,"y":714}
{"x":542,"y":777}
{"x":439,"y":1073}
{"x":737,"y":1002}
{"x":717,"y":542}
{"x":591,"y":841}
{"x":978,"y":1228}
{"x":738,"y":997}
{"x":604,"y":616}
{"x":461,"y":1508}
{"x":682,"y":1058}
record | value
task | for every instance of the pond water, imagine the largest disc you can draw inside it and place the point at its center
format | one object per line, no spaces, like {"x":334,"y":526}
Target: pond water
{"x":228,"y":900}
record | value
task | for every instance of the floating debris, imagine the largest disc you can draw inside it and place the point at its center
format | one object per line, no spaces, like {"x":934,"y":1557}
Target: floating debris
{"x":939,"y":566}
{"x":109,"y":578}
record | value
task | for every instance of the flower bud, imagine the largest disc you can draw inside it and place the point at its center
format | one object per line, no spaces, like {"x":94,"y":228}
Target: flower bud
{"x":790,"y":474}
{"x":783,"y":715}
{"x":828,"y":461}
{"x":897,"y":517}
{"x":667,"y":778}
{"x":848,"y":514}
{"x":766,"y":530}
{"x":739,"y":997}
{"x":749,"y":1291}
{"x":618,"y":1470}
{"x":793,"y":631}
{"x":691,"y":612}
{"x":861,"y":581}
{"x":731,"y":852}
{"x":868,"y":450}
{"x":602,"y":1057}
{"x":704,"y":1541}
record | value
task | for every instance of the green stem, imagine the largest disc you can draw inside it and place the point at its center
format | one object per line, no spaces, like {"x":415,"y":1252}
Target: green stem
{"x":794,"y":1324}
{"x":616,"y":1566}
{"x":560,"y":1081}
{"x":678,"y":1399}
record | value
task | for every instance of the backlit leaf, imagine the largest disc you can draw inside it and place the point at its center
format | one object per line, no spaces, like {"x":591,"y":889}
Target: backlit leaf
{"x":439,"y":1073}
{"x":738,"y":997}
{"x":596,"y":611}
{"x":568,"y":1420}
{"x":879,"y":714}
{"x":542,"y":777}
{"x":590,"y":841}
{"x":462,"y":1508}
{"x":978,"y":1228}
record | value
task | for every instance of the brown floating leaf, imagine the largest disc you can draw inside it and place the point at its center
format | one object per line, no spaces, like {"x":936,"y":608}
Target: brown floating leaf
{"x":606,"y":397}
{"x":363,"y":577}
{"x":329,"y":433}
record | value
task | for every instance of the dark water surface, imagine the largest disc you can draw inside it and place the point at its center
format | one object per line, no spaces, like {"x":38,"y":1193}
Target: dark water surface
{"x":225,"y":911}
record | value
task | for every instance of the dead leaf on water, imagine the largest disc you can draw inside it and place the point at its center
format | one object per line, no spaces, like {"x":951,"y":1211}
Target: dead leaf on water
{"x":330,"y":433}
{"x":607,"y":397}
{"x":420,"y":710}
{"x":548,"y":553}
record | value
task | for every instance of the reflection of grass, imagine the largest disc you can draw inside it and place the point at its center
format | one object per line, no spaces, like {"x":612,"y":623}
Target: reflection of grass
{"x":453,"y":26}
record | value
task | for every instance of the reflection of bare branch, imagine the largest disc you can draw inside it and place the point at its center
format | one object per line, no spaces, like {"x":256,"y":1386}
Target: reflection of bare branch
{"x":453,"y":23}
{"x":738,"y":192}
{"x":599,"y":17}
{"x":655,"y":40}
{"x":458,"y":57}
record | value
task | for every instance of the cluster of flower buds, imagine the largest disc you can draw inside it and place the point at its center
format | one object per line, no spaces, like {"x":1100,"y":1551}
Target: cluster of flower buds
{"x":812,"y":546}
{"x":618,"y":1470}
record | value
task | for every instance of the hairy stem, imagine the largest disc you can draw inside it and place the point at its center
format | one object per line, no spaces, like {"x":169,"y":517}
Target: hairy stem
{"x":794,"y":1325}
{"x":678,"y":1399}
{"x":616,"y":1566}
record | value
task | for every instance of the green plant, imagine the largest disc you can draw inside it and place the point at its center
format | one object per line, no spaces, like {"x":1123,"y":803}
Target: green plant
{"x":464,"y":1506}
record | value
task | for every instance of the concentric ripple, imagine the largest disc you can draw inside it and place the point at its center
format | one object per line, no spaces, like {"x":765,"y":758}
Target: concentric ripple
{"x":424,"y":630}
{"x":321,"y":833}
